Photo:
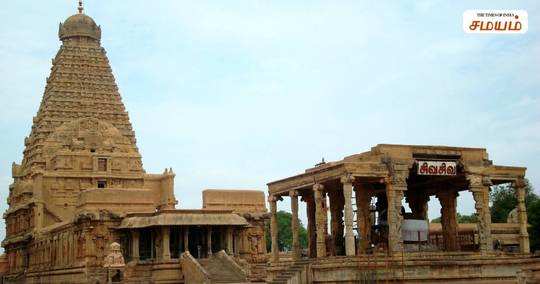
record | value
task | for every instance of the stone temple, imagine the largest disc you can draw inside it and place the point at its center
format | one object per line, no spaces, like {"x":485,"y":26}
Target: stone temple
{"x":82,"y":209}
{"x":359,"y":230}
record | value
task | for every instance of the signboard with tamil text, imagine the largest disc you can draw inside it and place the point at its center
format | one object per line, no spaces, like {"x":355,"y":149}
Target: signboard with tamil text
{"x":437,"y":168}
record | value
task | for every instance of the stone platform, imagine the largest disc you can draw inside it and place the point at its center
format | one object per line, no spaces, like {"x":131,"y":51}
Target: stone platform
{"x":422,"y":267}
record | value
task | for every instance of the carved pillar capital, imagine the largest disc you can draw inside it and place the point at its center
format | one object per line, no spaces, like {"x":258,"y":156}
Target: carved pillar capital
{"x":318,"y":187}
{"x":293,"y":193}
{"x":519,"y":182}
{"x":347,"y":179}
{"x":272,"y":198}
{"x":477,"y":181}
{"x":398,"y":180}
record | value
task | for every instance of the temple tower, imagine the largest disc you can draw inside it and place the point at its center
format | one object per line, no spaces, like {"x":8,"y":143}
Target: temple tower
{"x":81,"y":137}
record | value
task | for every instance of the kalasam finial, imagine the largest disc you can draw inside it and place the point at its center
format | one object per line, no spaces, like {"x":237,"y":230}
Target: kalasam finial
{"x":80,"y":8}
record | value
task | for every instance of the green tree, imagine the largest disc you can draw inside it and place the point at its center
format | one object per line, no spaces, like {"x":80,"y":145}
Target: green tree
{"x":533,"y":216}
{"x":285,"y":233}
{"x":503,"y":200}
{"x":460,"y":218}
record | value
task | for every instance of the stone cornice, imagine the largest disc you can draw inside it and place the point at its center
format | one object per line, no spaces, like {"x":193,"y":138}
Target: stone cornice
{"x":334,"y":172}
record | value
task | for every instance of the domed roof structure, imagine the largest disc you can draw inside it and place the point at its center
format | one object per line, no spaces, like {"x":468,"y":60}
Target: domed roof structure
{"x":79,"y":25}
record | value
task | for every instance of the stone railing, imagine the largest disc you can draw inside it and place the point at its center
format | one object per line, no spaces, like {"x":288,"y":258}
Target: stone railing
{"x":233,"y":265}
{"x":192,"y":270}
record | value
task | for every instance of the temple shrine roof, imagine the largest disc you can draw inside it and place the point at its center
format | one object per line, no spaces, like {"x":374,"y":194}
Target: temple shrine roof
{"x":183,"y":218}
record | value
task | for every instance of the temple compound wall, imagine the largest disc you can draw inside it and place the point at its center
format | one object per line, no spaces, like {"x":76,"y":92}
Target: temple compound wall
{"x":357,"y":221}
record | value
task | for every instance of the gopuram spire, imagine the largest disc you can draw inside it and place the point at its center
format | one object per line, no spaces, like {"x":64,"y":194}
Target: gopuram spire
{"x":80,"y":88}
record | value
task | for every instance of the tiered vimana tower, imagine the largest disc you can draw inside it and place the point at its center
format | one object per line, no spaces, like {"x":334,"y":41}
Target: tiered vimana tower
{"x":81,"y":165}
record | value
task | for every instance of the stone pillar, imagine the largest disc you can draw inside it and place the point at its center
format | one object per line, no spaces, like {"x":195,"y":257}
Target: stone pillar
{"x":320,"y":219}
{"x":209,"y":241}
{"x":363,"y":218}
{"x":480,"y":190}
{"x":274,"y":228}
{"x":186,"y":239}
{"x":237,"y":240}
{"x":347,"y":182}
{"x":61,"y":252}
{"x":71,"y":248}
{"x":294,"y":225}
{"x":395,"y":189}
{"x":165,"y":232}
{"x":135,"y":245}
{"x":448,"y":200}
{"x":519,"y":186}
{"x":311,"y":228}
{"x":337,"y":203}
{"x":89,"y":248}
{"x":230,"y":240}
{"x":418,"y":202}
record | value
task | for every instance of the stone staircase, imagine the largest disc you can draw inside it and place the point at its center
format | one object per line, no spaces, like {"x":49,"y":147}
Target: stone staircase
{"x":257,"y":272}
{"x":219,"y":268}
{"x":220,"y":271}
{"x":293,"y":274}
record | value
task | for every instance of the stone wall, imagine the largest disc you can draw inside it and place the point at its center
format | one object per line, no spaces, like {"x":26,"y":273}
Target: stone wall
{"x":240,"y":201}
{"x":154,"y":272}
{"x":69,"y":252}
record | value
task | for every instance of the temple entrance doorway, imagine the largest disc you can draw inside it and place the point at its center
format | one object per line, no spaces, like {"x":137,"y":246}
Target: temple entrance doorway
{"x":197,"y":242}
{"x":218,"y":239}
{"x":147,"y":248}
{"x":176,"y":241}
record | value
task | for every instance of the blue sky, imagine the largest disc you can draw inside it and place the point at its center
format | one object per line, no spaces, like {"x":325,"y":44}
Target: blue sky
{"x":234,"y":94}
